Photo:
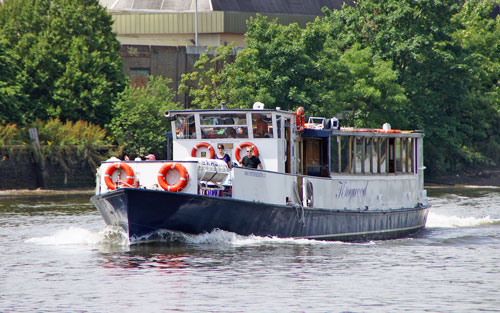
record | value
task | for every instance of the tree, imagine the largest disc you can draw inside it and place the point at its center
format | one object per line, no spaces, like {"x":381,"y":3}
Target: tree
{"x":205,"y":85}
{"x":479,"y":36}
{"x":366,"y":90}
{"x":70,"y":65}
{"x":416,"y":37}
{"x":10,"y":86}
{"x":138,"y":123}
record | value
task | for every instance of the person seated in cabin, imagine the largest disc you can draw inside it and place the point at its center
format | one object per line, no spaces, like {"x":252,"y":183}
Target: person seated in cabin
{"x":241,"y":132}
{"x":222,"y":155}
{"x":190,"y":131}
{"x":261,"y":129}
{"x":251,"y":160}
{"x":150,"y":157}
{"x":230,"y":132}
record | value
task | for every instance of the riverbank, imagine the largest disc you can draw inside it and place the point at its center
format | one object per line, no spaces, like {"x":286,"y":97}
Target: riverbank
{"x":482,"y":178}
{"x":39,"y":191}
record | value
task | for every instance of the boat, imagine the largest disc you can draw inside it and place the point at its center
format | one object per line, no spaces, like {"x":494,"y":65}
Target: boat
{"x":319,"y":180}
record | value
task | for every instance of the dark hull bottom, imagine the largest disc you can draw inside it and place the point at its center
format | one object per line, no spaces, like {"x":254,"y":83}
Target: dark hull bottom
{"x":141,"y":212}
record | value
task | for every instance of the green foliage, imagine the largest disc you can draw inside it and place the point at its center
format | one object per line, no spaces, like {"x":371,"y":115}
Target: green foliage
{"x":287,"y":66}
{"x":62,"y":143}
{"x":68,"y":62}
{"x":138,"y":123}
{"x":81,"y":133}
{"x":11,"y":97}
{"x":369,"y":90}
{"x":208,"y":78}
{"x":429,"y":44}
{"x":479,"y":36}
{"x":11,"y":135}
{"x":53,"y":132}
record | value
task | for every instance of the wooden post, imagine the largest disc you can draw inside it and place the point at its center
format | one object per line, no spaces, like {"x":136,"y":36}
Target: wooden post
{"x":39,"y":159}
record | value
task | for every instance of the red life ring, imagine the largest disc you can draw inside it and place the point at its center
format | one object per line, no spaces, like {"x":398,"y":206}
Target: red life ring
{"x":300,"y":119}
{"x":206,"y":145}
{"x":129,"y":182}
{"x":183,"y":180}
{"x":244,"y":145}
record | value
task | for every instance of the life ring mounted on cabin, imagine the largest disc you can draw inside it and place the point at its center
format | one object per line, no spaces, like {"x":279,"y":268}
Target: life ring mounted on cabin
{"x":244,"y":145}
{"x":181,"y":183}
{"x":300,"y":119}
{"x":205,"y":145}
{"x":108,"y":176}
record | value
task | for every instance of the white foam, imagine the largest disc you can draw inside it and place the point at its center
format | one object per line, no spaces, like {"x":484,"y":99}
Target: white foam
{"x":228,"y":238}
{"x":443,"y":221}
{"x":80,"y":236}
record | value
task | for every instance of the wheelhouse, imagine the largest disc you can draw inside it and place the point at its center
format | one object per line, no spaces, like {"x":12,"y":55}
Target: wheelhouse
{"x":271,"y":132}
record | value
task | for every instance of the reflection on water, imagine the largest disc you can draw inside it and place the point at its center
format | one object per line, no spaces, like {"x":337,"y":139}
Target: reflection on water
{"x":58,"y":255}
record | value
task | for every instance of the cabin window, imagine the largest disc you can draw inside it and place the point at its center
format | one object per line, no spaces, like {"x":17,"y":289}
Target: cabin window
{"x":367,"y":154}
{"x":362,"y":155}
{"x":262,"y":125}
{"x":223,"y":126}
{"x":278,"y":125}
{"x":340,"y":154}
{"x":185,"y":127}
{"x":401,"y":155}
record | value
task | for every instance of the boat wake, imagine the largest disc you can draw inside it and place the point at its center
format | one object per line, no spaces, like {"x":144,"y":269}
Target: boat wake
{"x":442,"y":221}
{"x":220,"y":237}
{"x":115,"y":236}
{"x":110,"y":235}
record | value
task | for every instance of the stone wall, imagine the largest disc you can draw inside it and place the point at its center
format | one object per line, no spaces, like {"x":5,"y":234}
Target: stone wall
{"x":69,"y":169}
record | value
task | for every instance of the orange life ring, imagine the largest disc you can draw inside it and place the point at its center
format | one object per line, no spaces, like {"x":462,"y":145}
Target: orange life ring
{"x":389,"y":131}
{"x":129,"y":182}
{"x":162,"y":176}
{"x":244,"y":145}
{"x":206,"y":145}
{"x":300,"y":119}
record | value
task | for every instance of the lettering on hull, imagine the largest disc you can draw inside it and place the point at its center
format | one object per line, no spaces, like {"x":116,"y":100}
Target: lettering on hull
{"x":345,"y":192}
{"x":255,"y":174}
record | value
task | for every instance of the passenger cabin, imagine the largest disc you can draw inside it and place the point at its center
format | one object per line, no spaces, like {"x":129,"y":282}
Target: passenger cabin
{"x":318,"y":148}
{"x":269,"y":132}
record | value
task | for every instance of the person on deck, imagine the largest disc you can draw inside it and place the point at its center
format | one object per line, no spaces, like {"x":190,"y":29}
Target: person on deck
{"x":221,"y":155}
{"x":251,"y":160}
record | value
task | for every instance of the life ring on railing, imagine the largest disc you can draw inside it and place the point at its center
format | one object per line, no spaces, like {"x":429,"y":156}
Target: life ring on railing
{"x":206,"y":145}
{"x":183,"y":180}
{"x":244,"y":145}
{"x":129,"y":182}
{"x":300,"y":119}
{"x":389,"y":131}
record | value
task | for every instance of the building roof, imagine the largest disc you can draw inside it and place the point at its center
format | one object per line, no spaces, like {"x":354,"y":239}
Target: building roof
{"x":300,"y":7}
{"x":309,"y":7}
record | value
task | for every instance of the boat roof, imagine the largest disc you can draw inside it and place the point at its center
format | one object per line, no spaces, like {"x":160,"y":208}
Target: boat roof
{"x":229,"y":111}
{"x":311,"y":131}
{"x":361,"y":132}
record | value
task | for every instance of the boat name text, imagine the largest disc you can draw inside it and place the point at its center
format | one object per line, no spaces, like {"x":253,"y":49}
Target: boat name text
{"x":345,"y":192}
{"x":255,"y":174}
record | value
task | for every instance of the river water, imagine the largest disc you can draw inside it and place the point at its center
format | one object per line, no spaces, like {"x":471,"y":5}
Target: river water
{"x":58,"y":256}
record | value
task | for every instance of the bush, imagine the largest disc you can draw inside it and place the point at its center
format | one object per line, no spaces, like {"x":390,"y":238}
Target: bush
{"x":139,"y":125}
